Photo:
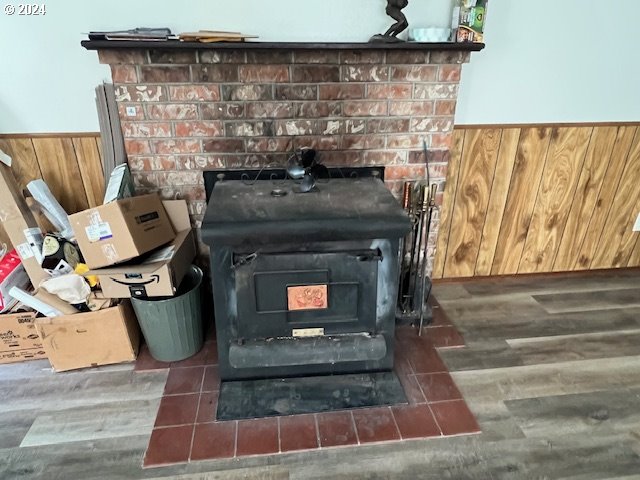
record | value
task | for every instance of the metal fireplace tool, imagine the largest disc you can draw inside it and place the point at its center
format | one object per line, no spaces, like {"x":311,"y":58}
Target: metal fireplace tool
{"x":419,"y":201}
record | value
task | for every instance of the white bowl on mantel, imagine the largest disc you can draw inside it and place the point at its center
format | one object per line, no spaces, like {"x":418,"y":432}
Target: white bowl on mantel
{"x":429,"y":35}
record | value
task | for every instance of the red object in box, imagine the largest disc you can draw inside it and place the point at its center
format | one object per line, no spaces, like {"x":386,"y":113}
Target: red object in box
{"x":12,"y":274}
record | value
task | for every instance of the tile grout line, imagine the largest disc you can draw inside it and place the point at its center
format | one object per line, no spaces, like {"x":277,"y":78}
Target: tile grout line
{"x":395,"y":422}
{"x":436,"y":420}
{"x":235,"y":445}
{"x":355,"y":428}
{"x":315,"y":421}
{"x":195,"y":420}
{"x":279,"y":438}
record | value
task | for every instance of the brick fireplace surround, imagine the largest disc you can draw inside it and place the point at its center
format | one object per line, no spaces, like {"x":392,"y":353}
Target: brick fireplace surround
{"x":186,"y":110}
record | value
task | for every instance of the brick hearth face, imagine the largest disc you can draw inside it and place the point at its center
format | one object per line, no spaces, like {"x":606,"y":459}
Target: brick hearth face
{"x":198,"y":110}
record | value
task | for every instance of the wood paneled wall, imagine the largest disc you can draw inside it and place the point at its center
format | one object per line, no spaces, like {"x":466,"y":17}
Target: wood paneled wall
{"x":540,"y":199}
{"x":518,"y":199}
{"x":70,"y":164}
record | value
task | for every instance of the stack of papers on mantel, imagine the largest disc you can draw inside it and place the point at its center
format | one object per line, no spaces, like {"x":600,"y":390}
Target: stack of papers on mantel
{"x":209,"y":36}
{"x":145,"y":34}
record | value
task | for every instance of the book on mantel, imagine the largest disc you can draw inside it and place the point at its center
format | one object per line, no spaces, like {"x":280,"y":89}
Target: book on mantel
{"x":138,"y":34}
{"x":210,"y":36}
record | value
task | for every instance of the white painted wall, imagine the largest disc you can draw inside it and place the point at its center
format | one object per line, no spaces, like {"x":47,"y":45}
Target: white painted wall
{"x":546,"y":61}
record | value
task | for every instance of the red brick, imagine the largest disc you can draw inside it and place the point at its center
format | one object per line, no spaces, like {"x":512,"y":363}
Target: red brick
{"x":319,"y":143}
{"x":222,"y":56}
{"x":259,"y":160}
{"x":214,"y":111}
{"x":247,"y":92}
{"x":354,"y":126}
{"x":365,"y":109}
{"x":187,"y":177}
{"x":167,"y":147}
{"x":115,"y":57}
{"x":124,"y":74}
{"x":389,"y":91}
{"x":296,"y":92}
{"x":188,"y":193}
{"x":448,"y":57}
{"x":363,"y":142}
{"x":406,"y":109}
{"x":264,"y":73}
{"x":137,"y":147}
{"x":316,"y":57}
{"x":173,"y":111}
{"x":296,"y":127}
{"x":199,"y":129}
{"x":270,"y":57}
{"x":446,"y":107}
{"x":269,"y":110}
{"x":214,"y":73}
{"x":341,"y":92}
{"x":140,"y":93}
{"x":249,"y":129}
{"x":331,"y":127}
{"x":269,"y":144}
{"x":441,"y":140}
{"x":365,"y":73}
{"x":202,"y":162}
{"x":449,"y":73}
{"x":156,"y":74}
{"x":388,"y":125}
{"x":420,"y":73}
{"x":224,"y":146}
{"x":159,"y":162}
{"x":362,"y":57}
{"x":318,"y":109}
{"x":145,"y":180}
{"x":406,"y":57}
{"x":122,"y":111}
{"x":352,"y":158}
{"x":195,"y":93}
{"x":385,"y":158}
{"x":172,"y":56}
{"x":406,"y":172}
{"x":405,"y":141}
{"x":444,"y":124}
{"x":146,"y":129}
{"x":315,"y":73}
{"x":435,"y":91}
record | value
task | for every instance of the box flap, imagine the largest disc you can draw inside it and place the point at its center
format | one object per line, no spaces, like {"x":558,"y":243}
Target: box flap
{"x":178,"y":213}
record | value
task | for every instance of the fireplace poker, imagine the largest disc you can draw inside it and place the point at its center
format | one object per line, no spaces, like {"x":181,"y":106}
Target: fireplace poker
{"x":406,"y":205}
{"x":427,"y":230}
{"x":421,"y":212}
{"x":411,"y":273}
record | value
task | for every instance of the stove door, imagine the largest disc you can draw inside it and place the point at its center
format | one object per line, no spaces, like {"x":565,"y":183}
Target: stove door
{"x":307,"y":293}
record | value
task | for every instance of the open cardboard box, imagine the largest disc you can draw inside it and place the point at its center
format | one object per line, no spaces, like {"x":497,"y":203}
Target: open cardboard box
{"x":91,"y":339}
{"x":160,"y":273}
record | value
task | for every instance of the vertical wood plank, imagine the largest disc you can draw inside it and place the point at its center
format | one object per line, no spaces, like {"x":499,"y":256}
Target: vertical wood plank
{"x":557,"y":189}
{"x":59,"y":166}
{"x":446,"y":211}
{"x":634,"y":260}
{"x":606,"y":198}
{"x":591,"y":180}
{"x":497,"y":200}
{"x":90,"y":167}
{"x":527,"y":173}
{"x":478,"y":165}
{"x":618,"y":239}
{"x":24,"y":161}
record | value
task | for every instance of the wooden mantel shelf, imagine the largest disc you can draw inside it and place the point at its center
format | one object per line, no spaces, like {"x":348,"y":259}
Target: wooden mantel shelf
{"x":178,"y":45}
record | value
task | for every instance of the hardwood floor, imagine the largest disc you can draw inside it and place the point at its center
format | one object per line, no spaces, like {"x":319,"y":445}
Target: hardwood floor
{"x":552,"y":371}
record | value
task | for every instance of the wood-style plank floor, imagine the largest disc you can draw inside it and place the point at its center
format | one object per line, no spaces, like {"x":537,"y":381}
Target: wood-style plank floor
{"x":551,"y":369}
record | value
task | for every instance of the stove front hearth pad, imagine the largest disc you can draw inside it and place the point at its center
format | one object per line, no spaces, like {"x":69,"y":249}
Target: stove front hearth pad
{"x":304,"y":284}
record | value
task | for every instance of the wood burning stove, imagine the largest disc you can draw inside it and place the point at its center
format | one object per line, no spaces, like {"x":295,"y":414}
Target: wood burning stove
{"x":304,"y":284}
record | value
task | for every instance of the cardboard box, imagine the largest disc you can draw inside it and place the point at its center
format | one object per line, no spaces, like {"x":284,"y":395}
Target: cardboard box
{"x":12,"y":274}
{"x":20,"y":226}
{"x":19,"y":339}
{"x":121,"y":230}
{"x":159,"y":273}
{"x":91,"y":339}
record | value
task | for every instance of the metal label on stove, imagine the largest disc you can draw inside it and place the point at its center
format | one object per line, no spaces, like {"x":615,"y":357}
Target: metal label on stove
{"x":307,"y":297}
{"x":308,"y":332}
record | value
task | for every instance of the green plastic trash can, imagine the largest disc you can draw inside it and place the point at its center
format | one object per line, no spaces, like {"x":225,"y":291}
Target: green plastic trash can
{"x":172,"y":326}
